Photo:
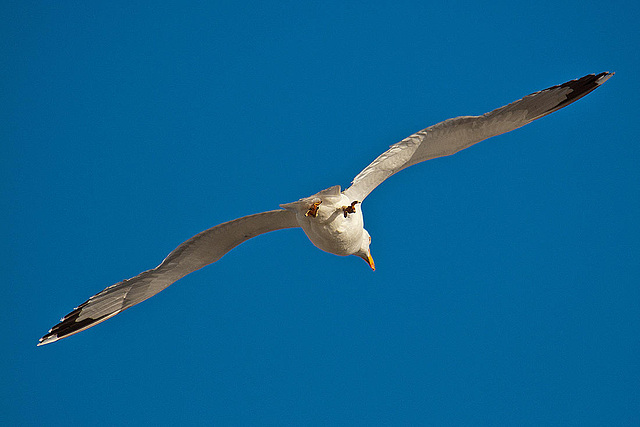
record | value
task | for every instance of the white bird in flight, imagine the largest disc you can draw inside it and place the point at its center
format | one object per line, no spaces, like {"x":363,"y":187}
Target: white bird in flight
{"x":331,"y":219}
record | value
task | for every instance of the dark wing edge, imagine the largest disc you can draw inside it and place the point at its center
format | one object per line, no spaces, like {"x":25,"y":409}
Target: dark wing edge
{"x":202,"y":249}
{"x":452,"y":135}
{"x":580,"y":88}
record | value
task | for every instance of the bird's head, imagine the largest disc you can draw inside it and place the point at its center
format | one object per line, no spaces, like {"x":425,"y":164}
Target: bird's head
{"x":364,"y":251}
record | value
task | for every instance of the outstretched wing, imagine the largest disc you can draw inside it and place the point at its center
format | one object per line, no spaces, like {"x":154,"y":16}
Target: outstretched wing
{"x":202,"y":249}
{"x":453,"y":135}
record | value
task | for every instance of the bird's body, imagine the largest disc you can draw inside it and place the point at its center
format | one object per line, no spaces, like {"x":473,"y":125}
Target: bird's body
{"x":330,"y":230}
{"x":331,"y":219}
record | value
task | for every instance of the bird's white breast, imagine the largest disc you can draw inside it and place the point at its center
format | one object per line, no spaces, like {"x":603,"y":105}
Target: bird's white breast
{"x":330,"y":230}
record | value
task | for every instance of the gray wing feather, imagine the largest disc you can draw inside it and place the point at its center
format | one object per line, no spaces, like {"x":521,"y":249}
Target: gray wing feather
{"x":202,"y":249}
{"x":453,"y":135}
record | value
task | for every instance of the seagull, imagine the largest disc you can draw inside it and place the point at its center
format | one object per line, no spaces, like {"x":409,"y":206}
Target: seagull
{"x":331,"y":219}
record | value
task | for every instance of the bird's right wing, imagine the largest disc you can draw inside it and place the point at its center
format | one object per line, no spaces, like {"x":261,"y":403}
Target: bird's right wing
{"x":202,"y":249}
{"x":453,"y":135}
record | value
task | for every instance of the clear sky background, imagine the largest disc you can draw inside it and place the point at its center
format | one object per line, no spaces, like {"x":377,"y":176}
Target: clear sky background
{"x":507,"y":282}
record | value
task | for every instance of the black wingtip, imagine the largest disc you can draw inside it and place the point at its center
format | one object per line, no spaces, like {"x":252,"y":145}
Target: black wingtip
{"x":70,"y":325}
{"x":586,"y":84}
{"x":582,"y":87}
{"x":579,"y":88}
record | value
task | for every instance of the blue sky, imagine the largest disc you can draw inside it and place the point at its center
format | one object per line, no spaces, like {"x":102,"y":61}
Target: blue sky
{"x":507,"y":282}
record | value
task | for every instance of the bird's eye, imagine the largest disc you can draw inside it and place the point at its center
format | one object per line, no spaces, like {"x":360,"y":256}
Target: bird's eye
{"x":369,"y":239}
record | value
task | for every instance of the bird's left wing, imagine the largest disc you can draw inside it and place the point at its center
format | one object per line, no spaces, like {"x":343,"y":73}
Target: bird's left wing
{"x":202,"y":249}
{"x":453,"y":135}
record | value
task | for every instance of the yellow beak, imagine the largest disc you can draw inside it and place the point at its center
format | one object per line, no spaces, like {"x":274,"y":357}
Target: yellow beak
{"x":369,"y":261}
